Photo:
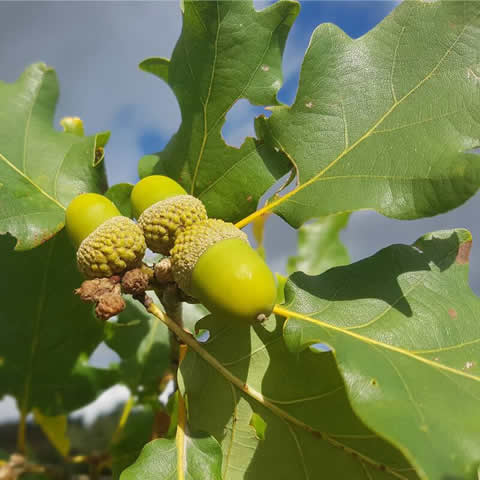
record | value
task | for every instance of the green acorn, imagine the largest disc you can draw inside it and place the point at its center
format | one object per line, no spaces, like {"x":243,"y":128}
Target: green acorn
{"x":107,"y":243}
{"x":164,"y":210}
{"x":152,"y":189}
{"x":213,"y":262}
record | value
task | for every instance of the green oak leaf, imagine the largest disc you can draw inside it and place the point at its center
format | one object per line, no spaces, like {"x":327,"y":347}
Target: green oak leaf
{"x":137,"y":433}
{"x":41,"y":169}
{"x":291,"y":419}
{"x":385,"y":122}
{"x":227,"y":51}
{"x":319,"y":246}
{"x":85,"y":383}
{"x":158,"y":460}
{"x":47,"y":332}
{"x":404,"y":328}
{"x":141,"y":341}
{"x":55,"y":429}
{"x":119,"y":194}
{"x":192,"y":313}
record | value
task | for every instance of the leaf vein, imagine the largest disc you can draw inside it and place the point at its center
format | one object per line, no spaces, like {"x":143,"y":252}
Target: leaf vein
{"x":19,"y":172}
{"x":439,"y":366}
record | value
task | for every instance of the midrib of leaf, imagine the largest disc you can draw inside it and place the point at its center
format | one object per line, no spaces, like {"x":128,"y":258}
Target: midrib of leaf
{"x":43,"y":192}
{"x":249,"y":82}
{"x":205,"y":105}
{"x":181,"y":438}
{"x":36,"y":329}
{"x":206,"y":130}
{"x":346,"y":151}
{"x":284,"y":312}
{"x":257,"y":396}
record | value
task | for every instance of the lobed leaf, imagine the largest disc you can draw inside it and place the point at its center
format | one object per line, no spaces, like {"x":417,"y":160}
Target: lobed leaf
{"x":404,"y":328}
{"x":319,"y":246}
{"x":158,"y":460}
{"x":385,"y":122}
{"x":41,"y":169}
{"x":55,"y":429}
{"x":227,"y":51}
{"x":47,"y":332}
{"x":137,"y":433}
{"x":290,"y":419}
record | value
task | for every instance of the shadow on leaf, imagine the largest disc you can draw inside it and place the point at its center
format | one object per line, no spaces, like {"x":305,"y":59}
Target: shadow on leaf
{"x":378,"y":276}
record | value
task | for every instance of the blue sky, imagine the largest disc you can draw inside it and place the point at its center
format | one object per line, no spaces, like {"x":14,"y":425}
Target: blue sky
{"x":96,"y":47}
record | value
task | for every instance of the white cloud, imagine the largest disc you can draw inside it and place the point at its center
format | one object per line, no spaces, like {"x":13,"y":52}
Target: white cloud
{"x":106,"y":403}
{"x":8,"y":409}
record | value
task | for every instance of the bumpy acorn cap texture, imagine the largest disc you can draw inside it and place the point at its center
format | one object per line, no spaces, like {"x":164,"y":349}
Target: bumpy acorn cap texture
{"x":193,"y":242}
{"x":164,"y":220}
{"x":113,"y":247}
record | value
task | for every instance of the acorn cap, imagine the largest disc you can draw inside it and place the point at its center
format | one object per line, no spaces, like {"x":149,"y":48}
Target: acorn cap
{"x":164,"y":220}
{"x":113,"y":247}
{"x":193,"y":242}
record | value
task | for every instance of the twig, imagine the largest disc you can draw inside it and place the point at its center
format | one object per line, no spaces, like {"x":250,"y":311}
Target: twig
{"x":181,"y":426}
{"x":173,"y":309}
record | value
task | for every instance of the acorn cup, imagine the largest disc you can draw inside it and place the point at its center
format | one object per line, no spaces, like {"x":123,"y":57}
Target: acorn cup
{"x":213,"y":262}
{"x":107,"y":243}
{"x":164,"y":209}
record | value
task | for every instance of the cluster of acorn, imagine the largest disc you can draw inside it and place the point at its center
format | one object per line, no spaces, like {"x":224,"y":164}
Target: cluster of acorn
{"x":211,"y":260}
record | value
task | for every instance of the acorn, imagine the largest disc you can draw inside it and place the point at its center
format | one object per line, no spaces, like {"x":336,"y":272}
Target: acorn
{"x":107,"y":243}
{"x":164,"y":209}
{"x":152,"y":189}
{"x":213,"y":262}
